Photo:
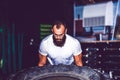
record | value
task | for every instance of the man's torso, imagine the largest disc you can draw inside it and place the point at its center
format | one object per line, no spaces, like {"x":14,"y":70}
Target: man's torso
{"x":60,"y":55}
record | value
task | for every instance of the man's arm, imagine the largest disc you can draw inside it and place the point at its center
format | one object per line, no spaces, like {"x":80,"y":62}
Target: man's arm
{"x":42,"y":60}
{"x":78,"y":60}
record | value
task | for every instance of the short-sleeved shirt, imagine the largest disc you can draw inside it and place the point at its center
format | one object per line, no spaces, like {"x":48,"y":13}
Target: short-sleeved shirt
{"x":60,"y":55}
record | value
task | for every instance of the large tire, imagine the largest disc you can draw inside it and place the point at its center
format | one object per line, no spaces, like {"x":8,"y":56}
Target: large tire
{"x":58,"y":72}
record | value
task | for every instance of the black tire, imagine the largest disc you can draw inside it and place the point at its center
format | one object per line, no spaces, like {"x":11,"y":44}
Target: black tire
{"x":57,"y":72}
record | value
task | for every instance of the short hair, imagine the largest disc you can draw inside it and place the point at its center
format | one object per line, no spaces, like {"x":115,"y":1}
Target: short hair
{"x":58,"y":23}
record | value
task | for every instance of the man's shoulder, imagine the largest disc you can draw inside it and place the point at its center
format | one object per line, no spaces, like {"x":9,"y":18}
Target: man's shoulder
{"x":71,"y":38}
{"x":47,"y":38}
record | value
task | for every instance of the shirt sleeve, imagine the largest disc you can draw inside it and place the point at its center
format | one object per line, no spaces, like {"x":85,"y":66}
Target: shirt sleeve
{"x":43,"y":48}
{"x":77,"y":48}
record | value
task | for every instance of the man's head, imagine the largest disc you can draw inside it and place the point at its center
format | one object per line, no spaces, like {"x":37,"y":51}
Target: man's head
{"x":59,"y":30}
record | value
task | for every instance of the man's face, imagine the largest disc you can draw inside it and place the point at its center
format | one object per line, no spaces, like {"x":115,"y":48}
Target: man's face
{"x":59,"y":35}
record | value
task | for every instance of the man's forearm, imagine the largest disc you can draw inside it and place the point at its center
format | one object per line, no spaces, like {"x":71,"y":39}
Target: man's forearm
{"x":42,"y":60}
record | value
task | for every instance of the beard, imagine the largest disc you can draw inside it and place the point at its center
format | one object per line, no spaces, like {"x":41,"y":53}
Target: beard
{"x":59,"y":42}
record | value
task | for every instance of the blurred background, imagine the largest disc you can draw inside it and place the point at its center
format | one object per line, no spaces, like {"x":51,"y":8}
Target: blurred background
{"x":24,"y":23}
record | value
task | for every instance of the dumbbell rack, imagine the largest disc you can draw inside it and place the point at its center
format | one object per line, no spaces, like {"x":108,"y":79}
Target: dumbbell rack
{"x":103,"y":56}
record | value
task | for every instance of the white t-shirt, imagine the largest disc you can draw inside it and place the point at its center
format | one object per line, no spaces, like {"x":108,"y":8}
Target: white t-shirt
{"x":60,"y":55}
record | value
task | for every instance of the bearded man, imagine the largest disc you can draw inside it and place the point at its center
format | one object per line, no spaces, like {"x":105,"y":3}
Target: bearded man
{"x":60,"y":48}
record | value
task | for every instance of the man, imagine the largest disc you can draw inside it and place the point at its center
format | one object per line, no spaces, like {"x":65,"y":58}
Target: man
{"x":60,"y":48}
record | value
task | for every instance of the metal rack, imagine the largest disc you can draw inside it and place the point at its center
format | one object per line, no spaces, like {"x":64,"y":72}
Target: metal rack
{"x":104,"y":56}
